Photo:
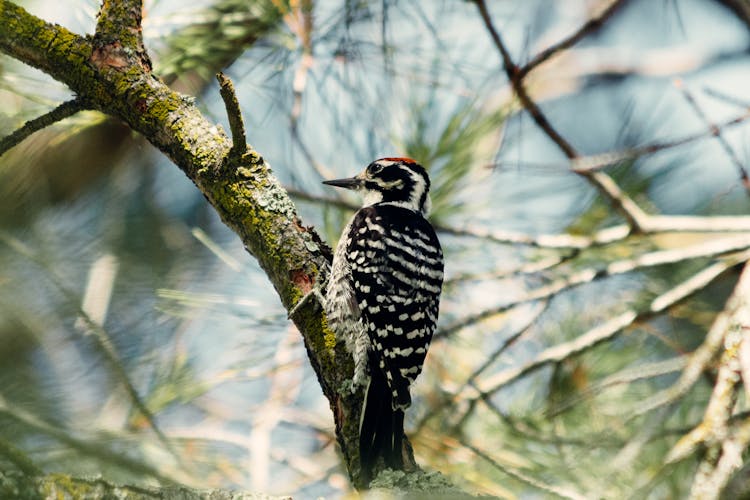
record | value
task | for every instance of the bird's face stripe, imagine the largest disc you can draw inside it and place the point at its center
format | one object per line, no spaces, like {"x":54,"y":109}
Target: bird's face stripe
{"x":394,"y":180}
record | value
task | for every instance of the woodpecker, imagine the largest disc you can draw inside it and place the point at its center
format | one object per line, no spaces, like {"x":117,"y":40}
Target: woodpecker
{"x":382,"y":298}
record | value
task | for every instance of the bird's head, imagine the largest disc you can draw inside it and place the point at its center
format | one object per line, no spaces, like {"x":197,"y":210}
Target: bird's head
{"x":394,"y":181}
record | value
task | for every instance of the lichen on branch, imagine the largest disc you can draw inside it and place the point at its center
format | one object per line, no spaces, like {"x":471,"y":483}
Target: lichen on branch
{"x":110,"y":74}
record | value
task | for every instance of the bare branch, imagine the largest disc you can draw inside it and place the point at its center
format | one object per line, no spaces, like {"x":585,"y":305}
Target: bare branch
{"x":716,"y":132}
{"x":699,"y":360}
{"x":562,"y":241}
{"x":541,"y":308}
{"x":232,"y":105}
{"x":709,"y":248}
{"x":717,"y":432}
{"x":587,"y":28}
{"x":602,"y":182}
{"x":639,"y":372}
{"x":592,"y":163}
{"x":687,"y":223}
{"x":519,"y":475}
{"x":64,"y":110}
{"x":515,"y":78}
{"x":608,"y":329}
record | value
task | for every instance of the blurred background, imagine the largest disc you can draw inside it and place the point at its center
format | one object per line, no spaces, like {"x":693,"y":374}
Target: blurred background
{"x":138,"y":340}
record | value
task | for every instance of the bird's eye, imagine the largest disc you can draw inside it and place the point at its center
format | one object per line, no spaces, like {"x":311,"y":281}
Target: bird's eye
{"x":374,"y":168}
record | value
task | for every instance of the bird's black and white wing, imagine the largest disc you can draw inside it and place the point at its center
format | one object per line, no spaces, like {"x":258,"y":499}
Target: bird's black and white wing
{"x":397,"y":272}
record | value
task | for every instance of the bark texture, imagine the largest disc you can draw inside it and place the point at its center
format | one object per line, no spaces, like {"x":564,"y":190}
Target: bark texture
{"x":111,"y":72}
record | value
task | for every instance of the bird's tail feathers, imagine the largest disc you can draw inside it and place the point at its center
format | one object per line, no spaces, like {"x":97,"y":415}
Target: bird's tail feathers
{"x":381,"y":429}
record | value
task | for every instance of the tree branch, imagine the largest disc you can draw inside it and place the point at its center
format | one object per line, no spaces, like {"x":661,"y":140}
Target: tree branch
{"x":244,"y":192}
{"x":710,"y":248}
{"x":602,"y":182}
{"x":118,"y":28}
{"x":17,"y":485}
{"x":606,"y":330}
{"x":723,"y":439}
{"x":234,"y":115}
{"x":64,"y":110}
{"x":584,"y":30}
{"x":715,"y":131}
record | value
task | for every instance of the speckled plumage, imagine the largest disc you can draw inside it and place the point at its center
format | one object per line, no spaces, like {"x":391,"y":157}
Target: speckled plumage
{"x":383,"y":295}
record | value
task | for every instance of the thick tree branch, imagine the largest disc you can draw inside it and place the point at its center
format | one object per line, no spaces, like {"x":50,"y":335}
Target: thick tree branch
{"x":119,"y":27}
{"x":16,"y":485}
{"x":243,"y":190}
{"x":121,"y":20}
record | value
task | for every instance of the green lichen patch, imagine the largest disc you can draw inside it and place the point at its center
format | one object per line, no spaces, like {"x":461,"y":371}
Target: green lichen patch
{"x":329,"y":338}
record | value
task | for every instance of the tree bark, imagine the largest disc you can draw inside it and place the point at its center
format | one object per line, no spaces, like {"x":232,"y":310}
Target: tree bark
{"x":111,"y":72}
{"x":17,"y":485}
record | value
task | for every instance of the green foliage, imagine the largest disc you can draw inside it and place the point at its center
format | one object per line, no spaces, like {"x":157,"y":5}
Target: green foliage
{"x":212,"y":38}
{"x":451,"y":149}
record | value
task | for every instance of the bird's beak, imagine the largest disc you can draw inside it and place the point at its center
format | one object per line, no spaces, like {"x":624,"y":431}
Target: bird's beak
{"x":348,"y":183}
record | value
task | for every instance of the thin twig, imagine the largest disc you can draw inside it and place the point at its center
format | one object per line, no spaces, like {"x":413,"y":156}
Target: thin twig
{"x":709,"y":248}
{"x":87,"y":447}
{"x":716,"y":132}
{"x":552,"y":241}
{"x":507,"y":343}
{"x":234,"y":115}
{"x":323,"y":171}
{"x":626,"y":376}
{"x":723,"y":96}
{"x":64,"y":110}
{"x":602,"y":182}
{"x":651,"y":224}
{"x":561,"y":241}
{"x":533,"y":267}
{"x":523,"y":477}
{"x":515,"y":78}
{"x":592,"y":163}
{"x":104,"y":341}
{"x":608,"y":329}
{"x":587,"y":28}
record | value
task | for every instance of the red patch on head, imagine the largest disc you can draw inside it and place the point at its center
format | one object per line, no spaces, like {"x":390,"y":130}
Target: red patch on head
{"x":399,"y":158}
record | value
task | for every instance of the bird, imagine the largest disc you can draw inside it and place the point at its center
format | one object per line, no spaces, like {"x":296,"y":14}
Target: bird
{"x":382,"y":298}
